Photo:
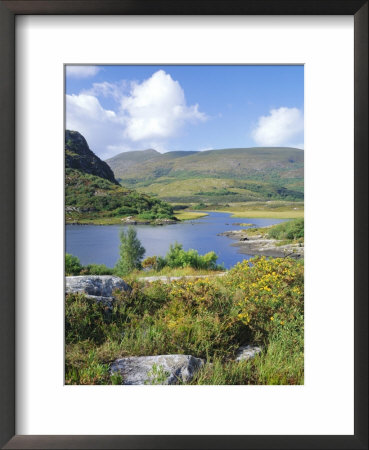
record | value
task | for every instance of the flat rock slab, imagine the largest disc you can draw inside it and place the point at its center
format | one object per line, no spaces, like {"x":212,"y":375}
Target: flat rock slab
{"x":162,"y":369}
{"x":246,"y":352}
{"x":167,"y":279}
{"x":95,"y":285}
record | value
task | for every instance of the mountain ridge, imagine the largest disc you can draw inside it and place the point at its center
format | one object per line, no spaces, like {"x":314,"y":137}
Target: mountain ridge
{"x":231,"y":161}
{"x":234,"y":174}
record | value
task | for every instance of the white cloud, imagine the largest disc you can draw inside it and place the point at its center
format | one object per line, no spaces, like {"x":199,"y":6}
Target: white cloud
{"x":82,"y":71}
{"x":281,"y":127}
{"x":156,"y":109}
{"x":100,"y":127}
{"x":146,"y":115}
{"x":106,"y":89}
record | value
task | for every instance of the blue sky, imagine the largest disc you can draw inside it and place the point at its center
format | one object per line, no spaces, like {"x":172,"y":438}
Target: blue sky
{"x":122,"y":108}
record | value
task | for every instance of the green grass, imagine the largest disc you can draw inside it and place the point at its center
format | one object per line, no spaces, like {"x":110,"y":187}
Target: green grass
{"x":257,"y":214}
{"x":219,"y":189}
{"x":282,"y":363}
{"x":270,"y":209}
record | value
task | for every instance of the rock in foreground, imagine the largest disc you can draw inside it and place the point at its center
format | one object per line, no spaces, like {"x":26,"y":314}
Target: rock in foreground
{"x":95,"y":285}
{"x":246,"y":352}
{"x":163,"y":369}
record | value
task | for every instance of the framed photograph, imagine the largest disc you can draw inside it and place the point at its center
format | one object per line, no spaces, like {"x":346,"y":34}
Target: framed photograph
{"x":162,"y":167}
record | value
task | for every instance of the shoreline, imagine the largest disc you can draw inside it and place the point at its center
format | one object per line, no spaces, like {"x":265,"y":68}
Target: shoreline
{"x":188,"y":215}
{"x":257,"y":245}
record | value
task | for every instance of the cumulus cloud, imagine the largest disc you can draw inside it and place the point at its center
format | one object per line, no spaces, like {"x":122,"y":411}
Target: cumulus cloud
{"x":82,"y":71}
{"x":156,"y":109}
{"x":146,"y":114}
{"x":99,"y":126}
{"x":282,"y":127}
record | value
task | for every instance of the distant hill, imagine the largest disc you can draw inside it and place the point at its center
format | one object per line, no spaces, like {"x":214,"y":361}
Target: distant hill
{"x":234,"y":174}
{"x":92,"y":193}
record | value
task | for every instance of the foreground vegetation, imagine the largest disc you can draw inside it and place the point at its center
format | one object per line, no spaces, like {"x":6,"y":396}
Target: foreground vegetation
{"x":258,"y":301}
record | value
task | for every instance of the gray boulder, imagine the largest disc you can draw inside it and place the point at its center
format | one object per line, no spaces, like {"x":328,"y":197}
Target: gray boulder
{"x":98,"y":287}
{"x":246,"y":352}
{"x":162,"y":369}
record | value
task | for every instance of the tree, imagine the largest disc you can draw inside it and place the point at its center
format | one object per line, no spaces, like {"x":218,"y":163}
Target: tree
{"x":131,"y":252}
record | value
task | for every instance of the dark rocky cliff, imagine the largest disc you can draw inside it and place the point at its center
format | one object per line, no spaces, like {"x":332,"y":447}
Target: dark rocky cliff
{"x":79,"y":156}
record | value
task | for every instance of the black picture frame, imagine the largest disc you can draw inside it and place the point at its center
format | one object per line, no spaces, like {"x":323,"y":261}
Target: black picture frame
{"x":8,"y":12}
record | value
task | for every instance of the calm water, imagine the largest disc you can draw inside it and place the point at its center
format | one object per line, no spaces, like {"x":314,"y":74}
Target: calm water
{"x":100,"y":244}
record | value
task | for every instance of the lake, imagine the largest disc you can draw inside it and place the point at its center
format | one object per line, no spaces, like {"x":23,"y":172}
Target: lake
{"x":99,"y":244}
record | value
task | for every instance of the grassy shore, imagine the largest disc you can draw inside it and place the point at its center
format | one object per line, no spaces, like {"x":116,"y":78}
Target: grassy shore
{"x":270,"y":209}
{"x":189,"y":215}
{"x":95,"y":221}
{"x":105,"y":220}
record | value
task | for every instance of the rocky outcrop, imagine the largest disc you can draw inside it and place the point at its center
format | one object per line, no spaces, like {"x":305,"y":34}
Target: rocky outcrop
{"x":97,"y":287}
{"x":246,"y":352}
{"x":79,"y":156}
{"x":165,"y":221}
{"x":162,"y":369}
{"x":132,"y":221}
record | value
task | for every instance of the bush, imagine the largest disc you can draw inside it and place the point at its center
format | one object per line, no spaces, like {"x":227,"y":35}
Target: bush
{"x":97,"y":269}
{"x":291,"y":230}
{"x":199,"y":206}
{"x":268,"y":292}
{"x":177,"y":257}
{"x":154,"y":263}
{"x":72,"y":265}
{"x":131,"y":253}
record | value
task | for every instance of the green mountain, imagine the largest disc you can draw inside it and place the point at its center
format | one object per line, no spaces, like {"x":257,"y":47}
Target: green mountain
{"x":92,"y":193}
{"x":228,"y":175}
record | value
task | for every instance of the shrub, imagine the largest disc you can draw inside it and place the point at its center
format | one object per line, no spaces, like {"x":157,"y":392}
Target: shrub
{"x":268,"y":292}
{"x":291,"y":230}
{"x":199,"y":206}
{"x":97,"y":269}
{"x":154,"y":263}
{"x":177,"y":257}
{"x":72,"y":265}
